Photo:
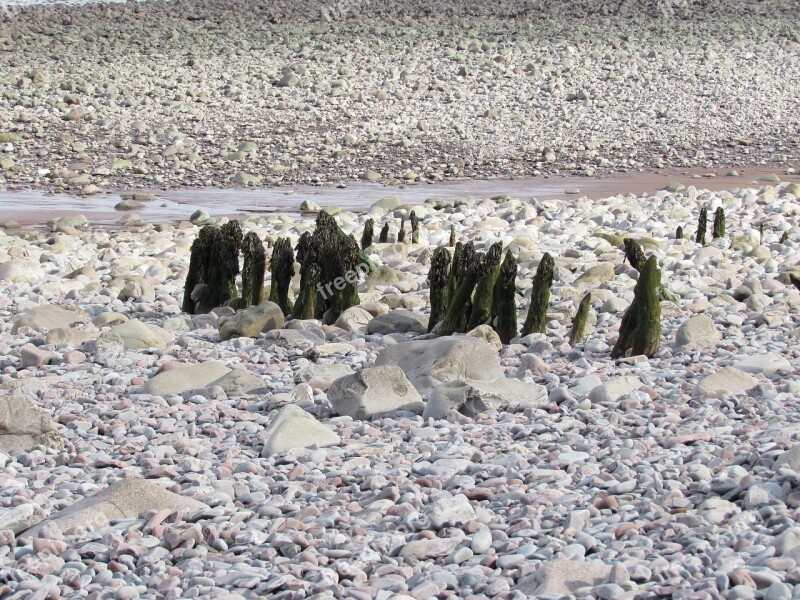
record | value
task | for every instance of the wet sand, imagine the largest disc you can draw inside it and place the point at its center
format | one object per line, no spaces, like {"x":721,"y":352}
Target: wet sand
{"x":34,"y":208}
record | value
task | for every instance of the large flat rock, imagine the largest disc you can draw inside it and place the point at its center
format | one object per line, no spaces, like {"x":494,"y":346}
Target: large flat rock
{"x":125,"y":499}
{"x":49,"y":316}
{"x":427,"y":363}
{"x":189,"y":377}
{"x":23,"y":426}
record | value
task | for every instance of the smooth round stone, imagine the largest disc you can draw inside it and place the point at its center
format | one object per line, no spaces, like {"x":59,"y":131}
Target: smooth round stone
{"x":481,"y":541}
{"x":778,"y":591}
{"x":574,"y":551}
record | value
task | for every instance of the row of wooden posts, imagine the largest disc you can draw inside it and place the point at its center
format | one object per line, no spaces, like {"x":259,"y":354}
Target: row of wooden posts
{"x":467,"y":288}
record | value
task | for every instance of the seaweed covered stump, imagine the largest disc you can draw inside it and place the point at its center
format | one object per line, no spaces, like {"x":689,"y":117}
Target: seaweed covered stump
{"x":306,"y":301}
{"x":719,"y":223}
{"x":578,"y":332}
{"x":463,"y":276}
{"x":452,"y":236}
{"x":253,"y":269}
{"x":401,"y":235}
{"x":223,"y":266}
{"x":484,"y":288}
{"x":640,"y":330}
{"x":504,"y":304}
{"x":281,"y":266}
{"x":201,"y":254}
{"x":384,"y":237}
{"x":414,"y":228}
{"x":702,"y":225}
{"x":536,"y":319}
{"x":635,"y":256}
{"x":341,"y":261}
{"x":366,"y":237}
{"x":437,"y":280}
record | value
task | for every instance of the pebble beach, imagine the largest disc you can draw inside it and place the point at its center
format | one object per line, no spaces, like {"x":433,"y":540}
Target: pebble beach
{"x":150,"y":453}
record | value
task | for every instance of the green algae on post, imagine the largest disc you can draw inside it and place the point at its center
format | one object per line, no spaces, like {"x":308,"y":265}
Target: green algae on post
{"x":719,"y":223}
{"x":640,"y":330}
{"x":504,"y":303}
{"x":536,"y":319}
{"x":281,"y":265}
{"x":578,"y":332}
{"x":253,"y":269}
{"x":366,"y":237}
{"x":438,"y":277}
{"x":484,"y":288}
{"x":414,"y":227}
{"x":702,"y":225}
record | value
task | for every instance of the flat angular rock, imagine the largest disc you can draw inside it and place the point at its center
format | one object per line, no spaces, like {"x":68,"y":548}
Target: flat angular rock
{"x":427,"y":363}
{"x":470,"y":397}
{"x":23,"y":426}
{"x":61,"y":337}
{"x":561,"y":577}
{"x":19,"y":269}
{"x":19,"y":518}
{"x":138,"y":336}
{"x":354,"y":319}
{"x":398,"y":321}
{"x":239,"y":382}
{"x":725,"y":381}
{"x":321,"y":376}
{"x":422,"y":549}
{"x":125,"y":499}
{"x":453,"y":510}
{"x":594,"y":276}
{"x":292,"y":427}
{"x":374,"y":391}
{"x":697,"y":332}
{"x":109,"y":319}
{"x":49,"y":316}
{"x":252,"y":321}
{"x":293,"y":339}
{"x":488,"y":335}
{"x":180,"y":379}
{"x":789,"y":459}
{"x":613,"y":390}
{"x":33,"y":356}
{"x":764,"y":363}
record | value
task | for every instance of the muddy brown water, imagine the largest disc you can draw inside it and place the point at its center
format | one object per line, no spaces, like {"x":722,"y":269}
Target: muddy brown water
{"x":34,"y":208}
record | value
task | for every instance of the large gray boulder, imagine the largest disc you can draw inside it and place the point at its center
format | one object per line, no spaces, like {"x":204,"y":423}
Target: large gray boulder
{"x":398,"y":321}
{"x":237,"y":382}
{"x":293,"y":339}
{"x":354,"y":319}
{"x":594,"y":276}
{"x":138,"y":336}
{"x":728,"y":380}
{"x":321,"y":376}
{"x":428,"y":363}
{"x":562,"y":577}
{"x":292,"y":427}
{"x":472,"y":397}
{"x":696,"y":332}
{"x":19,"y":518}
{"x":188,"y":377}
{"x":125,"y":499}
{"x":49,"y":316}
{"x":23,"y":426}
{"x":252,"y":321}
{"x":374,"y":391}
